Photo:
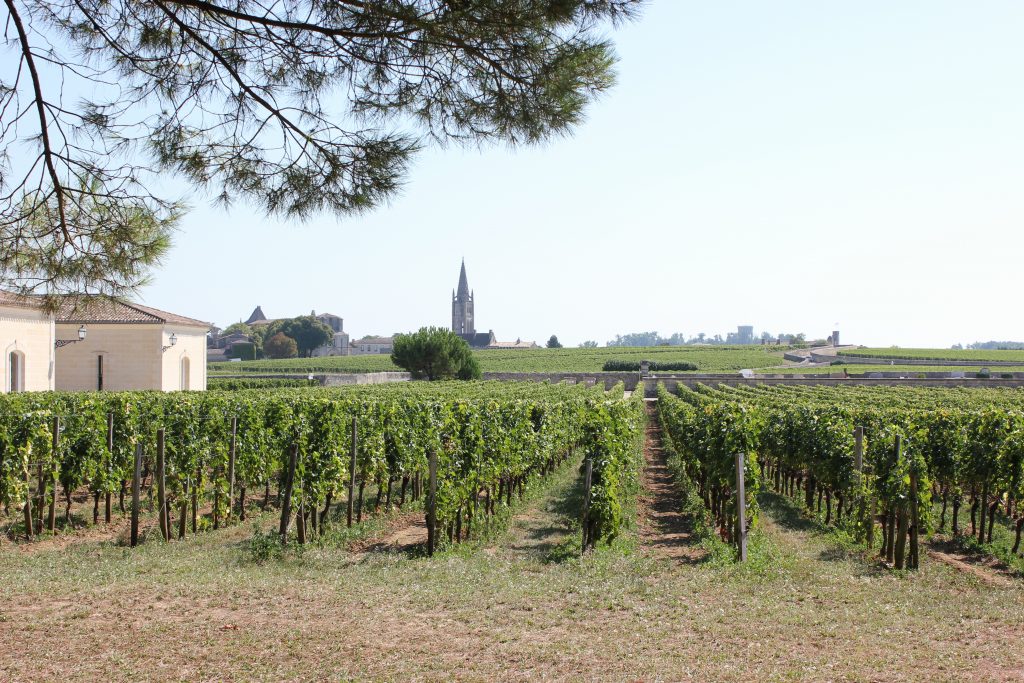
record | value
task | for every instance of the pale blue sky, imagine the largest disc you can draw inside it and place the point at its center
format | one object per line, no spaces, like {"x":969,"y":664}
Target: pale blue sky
{"x":782,"y":164}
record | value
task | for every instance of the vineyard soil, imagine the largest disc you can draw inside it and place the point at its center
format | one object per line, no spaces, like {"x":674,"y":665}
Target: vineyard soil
{"x":664,"y":530}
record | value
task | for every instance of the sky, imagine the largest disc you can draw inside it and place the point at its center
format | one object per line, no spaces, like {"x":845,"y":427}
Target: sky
{"x":787,"y":165}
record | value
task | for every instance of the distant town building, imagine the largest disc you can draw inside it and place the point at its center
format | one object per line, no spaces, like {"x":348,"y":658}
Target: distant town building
{"x":370,"y":345}
{"x":339,"y":345}
{"x":517,"y":344}
{"x":464,"y":320}
{"x":744,"y":334}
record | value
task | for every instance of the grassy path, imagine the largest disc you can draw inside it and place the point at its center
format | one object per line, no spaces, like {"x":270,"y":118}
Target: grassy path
{"x":546,"y":529}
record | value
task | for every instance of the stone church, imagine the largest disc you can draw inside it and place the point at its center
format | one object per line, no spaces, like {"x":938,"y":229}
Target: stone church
{"x":464,"y":320}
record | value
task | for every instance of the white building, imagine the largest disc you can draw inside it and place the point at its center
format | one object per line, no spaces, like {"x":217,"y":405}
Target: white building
{"x":128,"y":347}
{"x":373,"y":345}
{"x":27,"y":338}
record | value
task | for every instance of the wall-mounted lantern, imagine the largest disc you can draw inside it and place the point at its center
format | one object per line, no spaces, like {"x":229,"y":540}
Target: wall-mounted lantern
{"x":64,"y":342}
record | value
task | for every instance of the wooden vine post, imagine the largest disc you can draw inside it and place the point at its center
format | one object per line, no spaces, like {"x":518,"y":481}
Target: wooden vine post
{"x":867,"y":521}
{"x":231,"y":466}
{"x":741,"y":506}
{"x":588,"y":480}
{"x":352,"y":471}
{"x":52,"y":520}
{"x":900,"y":551}
{"x":286,"y":504}
{"x":136,"y":489}
{"x":110,"y":450}
{"x":431,"y":503}
{"x":161,"y":486}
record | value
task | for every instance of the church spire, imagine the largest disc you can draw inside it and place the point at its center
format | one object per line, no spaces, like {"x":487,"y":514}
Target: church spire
{"x":462,"y":306}
{"x":463,"y":293}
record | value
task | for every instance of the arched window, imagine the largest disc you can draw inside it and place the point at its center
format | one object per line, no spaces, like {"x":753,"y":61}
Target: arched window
{"x":16,"y":365}
{"x":185,"y":374}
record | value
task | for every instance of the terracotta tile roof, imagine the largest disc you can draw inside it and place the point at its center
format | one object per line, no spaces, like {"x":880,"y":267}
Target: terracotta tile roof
{"x":18,"y":300}
{"x":87,"y":309}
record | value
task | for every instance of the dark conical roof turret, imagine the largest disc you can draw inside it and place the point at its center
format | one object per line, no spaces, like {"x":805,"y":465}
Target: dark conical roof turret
{"x":257,"y":314}
{"x":463,"y":292}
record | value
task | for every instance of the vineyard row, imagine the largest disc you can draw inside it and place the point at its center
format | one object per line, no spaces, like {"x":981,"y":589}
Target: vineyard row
{"x":485,"y":440}
{"x":880,"y":458}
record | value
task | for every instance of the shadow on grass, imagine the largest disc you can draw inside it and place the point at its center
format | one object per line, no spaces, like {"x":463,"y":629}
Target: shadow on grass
{"x":988,"y":555}
{"x":550,"y":531}
{"x":787,"y":514}
{"x":840,"y":545}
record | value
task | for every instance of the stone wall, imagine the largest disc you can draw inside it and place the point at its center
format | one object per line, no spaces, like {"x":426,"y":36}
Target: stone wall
{"x":334,"y":380}
{"x":864,"y":360}
{"x":328,"y":380}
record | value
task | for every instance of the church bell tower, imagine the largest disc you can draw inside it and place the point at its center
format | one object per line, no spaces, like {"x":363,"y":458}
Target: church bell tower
{"x":462,"y":306}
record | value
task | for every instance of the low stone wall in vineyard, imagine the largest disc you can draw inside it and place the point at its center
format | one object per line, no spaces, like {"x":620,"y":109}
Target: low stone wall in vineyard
{"x":325,"y":379}
{"x":886,"y":360}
